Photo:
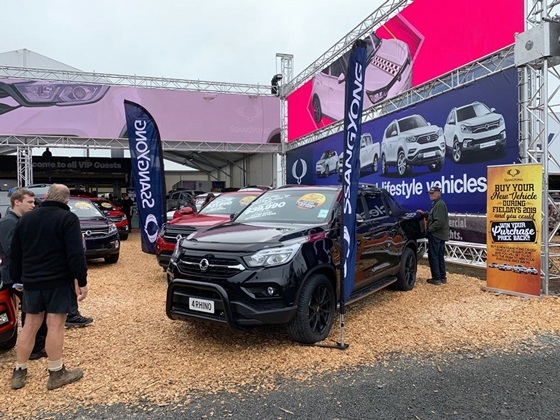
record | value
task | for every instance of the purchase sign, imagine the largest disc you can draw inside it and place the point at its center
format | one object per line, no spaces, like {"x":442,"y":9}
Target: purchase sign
{"x":514,"y":202}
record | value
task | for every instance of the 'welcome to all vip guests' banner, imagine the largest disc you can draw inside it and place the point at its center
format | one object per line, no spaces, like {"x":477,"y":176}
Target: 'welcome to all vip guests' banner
{"x":514,"y":229}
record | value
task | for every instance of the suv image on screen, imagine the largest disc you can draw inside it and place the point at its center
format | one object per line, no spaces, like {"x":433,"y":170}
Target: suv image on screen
{"x":327,"y":164}
{"x":411,"y":141}
{"x":101,"y":236}
{"x":474,"y":127}
{"x":277,"y":262}
{"x":369,"y":155}
{"x":388,"y":73}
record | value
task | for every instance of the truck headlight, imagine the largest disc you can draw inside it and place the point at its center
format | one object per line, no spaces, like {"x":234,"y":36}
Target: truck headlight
{"x":59,"y":93}
{"x":466,"y":128}
{"x":177,"y":251}
{"x":112,"y":228}
{"x":272,"y":256}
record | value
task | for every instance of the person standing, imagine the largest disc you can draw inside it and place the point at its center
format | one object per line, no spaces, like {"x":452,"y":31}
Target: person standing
{"x":438,"y":234}
{"x":127,"y":205}
{"x":47,"y":256}
{"x":21,"y":201}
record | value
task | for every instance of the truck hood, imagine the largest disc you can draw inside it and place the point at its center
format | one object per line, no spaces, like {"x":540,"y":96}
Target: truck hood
{"x":483,"y":119}
{"x":199,"y":220}
{"x":429,"y":129}
{"x":248,"y":236}
{"x":94,"y":223}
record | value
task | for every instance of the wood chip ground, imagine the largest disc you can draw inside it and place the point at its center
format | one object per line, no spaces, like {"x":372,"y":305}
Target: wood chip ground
{"x":133,"y":353}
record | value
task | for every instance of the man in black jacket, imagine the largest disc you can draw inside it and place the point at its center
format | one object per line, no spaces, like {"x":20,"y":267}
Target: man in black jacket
{"x":21,"y":201}
{"x":48,"y":258}
{"x":438,"y":233}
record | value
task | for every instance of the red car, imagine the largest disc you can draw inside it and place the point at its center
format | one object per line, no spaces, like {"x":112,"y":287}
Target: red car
{"x":8,"y":320}
{"x":116,"y":216}
{"x":216,"y":212}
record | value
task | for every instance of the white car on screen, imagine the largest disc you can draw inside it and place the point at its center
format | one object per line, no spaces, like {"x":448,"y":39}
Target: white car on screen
{"x":474,"y":127}
{"x":369,"y":155}
{"x":327,"y":163}
{"x":388,"y":73}
{"x":412,"y":141}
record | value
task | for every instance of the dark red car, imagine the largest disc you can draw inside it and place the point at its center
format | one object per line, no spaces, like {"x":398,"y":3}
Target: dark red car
{"x":116,"y":216}
{"x":8,"y":320}
{"x":216,"y":212}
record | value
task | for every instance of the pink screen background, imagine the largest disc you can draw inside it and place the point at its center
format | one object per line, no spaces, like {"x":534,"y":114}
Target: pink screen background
{"x":442,"y":35}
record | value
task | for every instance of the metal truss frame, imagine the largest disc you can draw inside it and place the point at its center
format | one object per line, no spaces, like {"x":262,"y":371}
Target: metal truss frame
{"x":134,"y":81}
{"x":487,"y":66}
{"x":537,"y":103}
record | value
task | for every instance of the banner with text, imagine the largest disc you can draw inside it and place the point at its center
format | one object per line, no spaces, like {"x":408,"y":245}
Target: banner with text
{"x":514,"y":229}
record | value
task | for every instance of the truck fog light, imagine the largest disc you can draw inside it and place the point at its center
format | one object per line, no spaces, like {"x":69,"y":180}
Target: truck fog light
{"x":4,"y":318}
{"x":271,"y":291}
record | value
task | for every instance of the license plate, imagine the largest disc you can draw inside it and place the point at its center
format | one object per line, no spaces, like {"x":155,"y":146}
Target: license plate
{"x":201,"y":305}
{"x":489,"y":144}
{"x":429,"y":154}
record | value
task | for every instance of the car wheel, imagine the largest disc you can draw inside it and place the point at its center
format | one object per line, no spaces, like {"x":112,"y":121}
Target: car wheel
{"x":112,"y":259}
{"x":123,"y":236}
{"x":402,"y":166}
{"x":375,"y":165}
{"x":317,"y":113}
{"x":407,"y":273}
{"x":457,"y":153}
{"x":11,"y":343}
{"x":384,"y":168}
{"x":315,"y":311}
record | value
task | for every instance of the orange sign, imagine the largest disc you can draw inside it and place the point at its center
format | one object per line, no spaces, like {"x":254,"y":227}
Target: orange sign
{"x":513,"y":237}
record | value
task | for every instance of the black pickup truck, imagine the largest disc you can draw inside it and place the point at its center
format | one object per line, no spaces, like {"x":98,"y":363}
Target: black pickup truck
{"x":277,"y":262}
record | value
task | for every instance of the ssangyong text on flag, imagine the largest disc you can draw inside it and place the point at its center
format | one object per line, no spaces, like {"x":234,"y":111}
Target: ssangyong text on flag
{"x":351,"y":165}
{"x":148,"y":172}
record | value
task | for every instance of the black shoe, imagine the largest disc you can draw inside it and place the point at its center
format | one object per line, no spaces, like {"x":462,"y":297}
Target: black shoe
{"x":18,"y":378}
{"x":38,"y":355}
{"x":63,"y":377}
{"x":77,"y":320}
{"x":435,"y":282}
{"x":443,"y":281}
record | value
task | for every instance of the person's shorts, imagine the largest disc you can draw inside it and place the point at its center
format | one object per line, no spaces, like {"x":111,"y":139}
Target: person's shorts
{"x":52,"y":301}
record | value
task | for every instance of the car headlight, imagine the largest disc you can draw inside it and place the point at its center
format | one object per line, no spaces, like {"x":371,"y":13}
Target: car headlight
{"x":466,"y":128}
{"x":377,"y":95}
{"x":57,"y":93}
{"x":112,"y":228}
{"x":501,"y":121}
{"x":272,"y":256}
{"x":410,"y":139}
{"x":177,"y":251}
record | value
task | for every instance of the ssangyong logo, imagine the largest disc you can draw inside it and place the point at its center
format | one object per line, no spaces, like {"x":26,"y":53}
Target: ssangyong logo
{"x":203,"y":265}
{"x":353,"y":113}
{"x":295,"y":170}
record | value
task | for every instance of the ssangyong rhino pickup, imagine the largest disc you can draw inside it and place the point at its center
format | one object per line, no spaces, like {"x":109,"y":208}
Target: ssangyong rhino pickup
{"x":277,"y":262}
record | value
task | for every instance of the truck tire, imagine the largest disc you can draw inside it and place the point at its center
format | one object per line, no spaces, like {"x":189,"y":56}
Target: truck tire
{"x":315,"y":313}
{"x":407,"y":273}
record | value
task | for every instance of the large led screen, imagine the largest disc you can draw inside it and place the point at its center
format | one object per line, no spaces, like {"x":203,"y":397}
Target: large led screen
{"x":425,"y":40}
{"x":448,"y":140}
{"x":50,"y":108}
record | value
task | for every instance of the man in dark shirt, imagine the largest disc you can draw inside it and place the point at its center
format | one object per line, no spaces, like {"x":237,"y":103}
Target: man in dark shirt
{"x":47,"y":256}
{"x":438,"y":233}
{"x":127,"y":205}
{"x":21,"y":201}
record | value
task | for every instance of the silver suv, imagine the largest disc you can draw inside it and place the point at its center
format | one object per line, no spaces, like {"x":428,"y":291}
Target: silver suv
{"x":411,"y":141}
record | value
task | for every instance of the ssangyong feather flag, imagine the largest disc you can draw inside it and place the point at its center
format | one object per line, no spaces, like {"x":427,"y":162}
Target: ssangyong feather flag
{"x":148,"y":172}
{"x":351,"y":166}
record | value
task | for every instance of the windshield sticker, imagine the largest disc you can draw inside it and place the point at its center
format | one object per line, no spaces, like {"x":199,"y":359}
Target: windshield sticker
{"x":106,"y":205}
{"x":82,"y":205}
{"x":322,"y":213}
{"x":246,"y":200}
{"x":310,"y":201}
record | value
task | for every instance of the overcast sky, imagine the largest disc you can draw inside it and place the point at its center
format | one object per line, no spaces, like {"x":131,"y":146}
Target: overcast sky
{"x":216,"y":40}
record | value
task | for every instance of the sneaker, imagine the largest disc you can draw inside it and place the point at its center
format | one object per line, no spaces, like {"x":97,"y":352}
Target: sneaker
{"x":18,"y":378}
{"x":38,"y":355}
{"x":443,"y":281}
{"x":435,"y":282}
{"x":77,"y":320}
{"x":63,"y":377}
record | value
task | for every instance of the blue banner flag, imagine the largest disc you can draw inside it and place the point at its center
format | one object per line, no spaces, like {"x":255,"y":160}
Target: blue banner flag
{"x":146,"y":158}
{"x":351,"y":165}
